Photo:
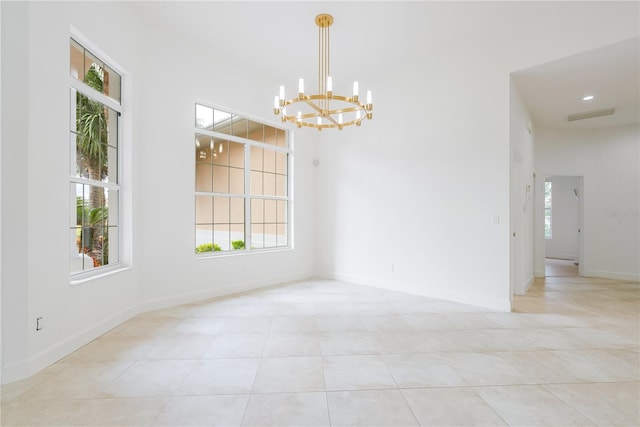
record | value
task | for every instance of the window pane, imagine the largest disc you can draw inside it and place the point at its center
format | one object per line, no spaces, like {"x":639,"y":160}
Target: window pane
{"x":222,"y":122}
{"x":236,"y":181}
{"x":221,"y":210}
{"x":281,"y":163}
{"x":256,"y":183}
{"x":92,"y":220}
{"x":204,"y":209}
{"x":237,"y":237}
{"x":270,"y":236}
{"x":281,"y":239}
{"x":96,"y":145}
{"x":220,"y":179}
{"x":256,"y":158}
{"x":270,"y":211}
{"x":257,"y":236}
{"x":204,"y":238}
{"x":76,"y":57}
{"x":269,"y":161}
{"x":204,"y":117}
{"x":269,"y":184}
{"x":270,"y":135}
{"x":204,"y":177}
{"x":281,"y":138}
{"x":221,"y":237}
{"x":256,"y":131}
{"x":219,"y":151}
{"x":110,"y":165}
{"x":236,"y":155}
{"x":112,"y":206}
{"x":202,"y":151}
{"x":281,"y":213}
{"x":111,"y":252}
{"x":257,"y":210}
{"x":112,"y":83}
{"x":281,"y":185}
{"x":240,"y":127}
{"x":237,"y":210}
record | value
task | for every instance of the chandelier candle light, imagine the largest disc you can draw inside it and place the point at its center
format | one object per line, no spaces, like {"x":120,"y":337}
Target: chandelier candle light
{"x":324,"y":109}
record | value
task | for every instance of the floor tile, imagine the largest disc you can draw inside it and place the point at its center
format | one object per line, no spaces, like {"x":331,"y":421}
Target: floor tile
{"x":484,"y":369}
{"x":220,"y":376}
{"x":421,"y":370}
{"x":451,"y":407}
{"x":198,"y":326}
{"x":531,"y":405}
{"x":289,"y":374}
{"x":348,"y":343}
{"x":605,"y":404}
{"x":357,"y":373}
{"x":223,"y":410}
{"x":369,"y":408}
{"x":294,"y":324}
{"x":287,"y":409}
{"x":112,"y":348}
{"x":151,"y":378}
{"x":179,"y":347}
{"x":301,"y":344}
{"x":236,"y":345}
{"x":77,"y":381}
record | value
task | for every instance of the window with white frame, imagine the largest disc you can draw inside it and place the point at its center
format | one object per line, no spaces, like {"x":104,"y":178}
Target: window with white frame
{"x":241,"y":183}
{"x":95,"y":110}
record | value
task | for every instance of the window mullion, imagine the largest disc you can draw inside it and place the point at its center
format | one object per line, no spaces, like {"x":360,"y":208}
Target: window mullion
{"x":247,"y":196}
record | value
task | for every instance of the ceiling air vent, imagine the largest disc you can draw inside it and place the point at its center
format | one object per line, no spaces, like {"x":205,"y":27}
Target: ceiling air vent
{"x":591,"y":114}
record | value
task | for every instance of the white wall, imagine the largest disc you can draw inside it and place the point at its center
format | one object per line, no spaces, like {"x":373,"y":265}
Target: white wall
{"x":522,"y":193}
{"x":565,"y":214}
{"x":425,"y":186}
{"x":608,"y":161}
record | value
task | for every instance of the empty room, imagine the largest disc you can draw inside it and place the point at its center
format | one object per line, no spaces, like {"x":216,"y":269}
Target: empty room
{"x":320,"y":213}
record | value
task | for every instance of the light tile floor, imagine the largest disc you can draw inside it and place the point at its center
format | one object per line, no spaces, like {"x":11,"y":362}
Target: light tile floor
{"x":330,"y":353}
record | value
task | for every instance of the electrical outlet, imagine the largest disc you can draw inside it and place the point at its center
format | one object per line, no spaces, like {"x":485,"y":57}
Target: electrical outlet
{"x":39,"y":323}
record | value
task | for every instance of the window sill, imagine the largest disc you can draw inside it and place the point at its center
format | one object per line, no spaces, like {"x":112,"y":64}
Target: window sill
{"x":81,"y":278}
{"x":225,"y":254}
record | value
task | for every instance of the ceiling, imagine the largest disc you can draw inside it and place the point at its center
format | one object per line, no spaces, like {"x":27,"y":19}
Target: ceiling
{"x":279,"y":39}
{"x":611,"y":74}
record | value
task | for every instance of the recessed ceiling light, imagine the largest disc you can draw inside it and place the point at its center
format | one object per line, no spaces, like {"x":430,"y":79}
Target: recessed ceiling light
{"x":588,"y":98}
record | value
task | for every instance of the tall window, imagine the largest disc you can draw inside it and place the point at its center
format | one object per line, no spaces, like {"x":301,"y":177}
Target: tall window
{"x":241,"y":184}
{"x":95,"y":108}
{"x":547,"y":209}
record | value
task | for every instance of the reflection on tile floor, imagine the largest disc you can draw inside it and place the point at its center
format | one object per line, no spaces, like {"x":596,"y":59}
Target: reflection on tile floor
{"x":330,"y":353}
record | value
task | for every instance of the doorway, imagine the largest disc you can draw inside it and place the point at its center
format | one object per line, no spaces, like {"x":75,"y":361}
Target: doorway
{"x":563,"y":225}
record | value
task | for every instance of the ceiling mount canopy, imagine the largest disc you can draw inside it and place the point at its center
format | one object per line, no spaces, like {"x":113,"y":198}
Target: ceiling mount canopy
{"x":324,"y":109}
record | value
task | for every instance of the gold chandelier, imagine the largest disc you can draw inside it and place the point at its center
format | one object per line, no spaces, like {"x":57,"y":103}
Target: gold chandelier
{"x":324,"y":109}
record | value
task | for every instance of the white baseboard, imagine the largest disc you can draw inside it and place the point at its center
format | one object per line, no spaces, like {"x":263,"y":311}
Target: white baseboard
{"x":567,"y":256}
{"x":26,"y":368}
{"x":539,"y":273}
{"x":475,"y":300}
{"x":160,"y":303}
{"x":525,"y":286}
{"x":631,"y":277}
